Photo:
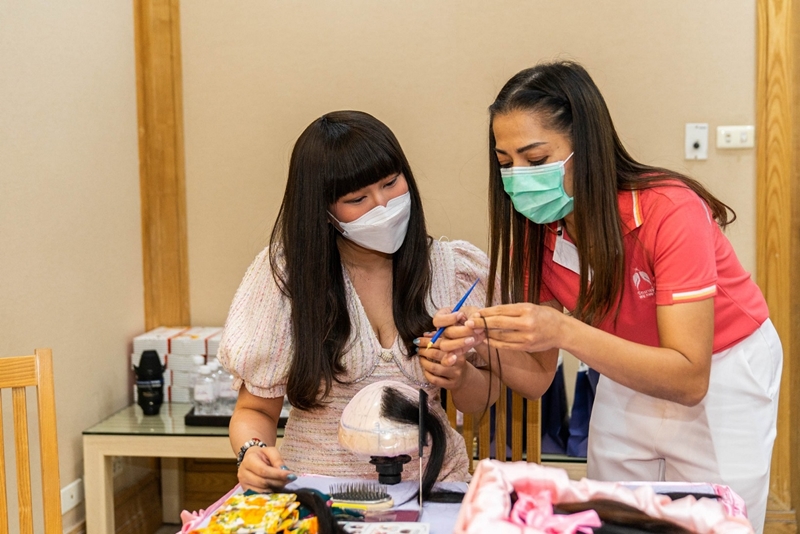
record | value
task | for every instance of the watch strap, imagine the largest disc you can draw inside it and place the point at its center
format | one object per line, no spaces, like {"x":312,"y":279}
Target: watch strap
{"x":255,"y":442}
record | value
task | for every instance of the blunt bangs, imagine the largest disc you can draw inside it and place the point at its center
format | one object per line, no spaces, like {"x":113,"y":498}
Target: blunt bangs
{"x":356,"y":166}
{"x":357,"y":153}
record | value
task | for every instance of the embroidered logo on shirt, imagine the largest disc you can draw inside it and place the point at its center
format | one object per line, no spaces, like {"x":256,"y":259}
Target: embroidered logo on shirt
{"x":643,"y":283}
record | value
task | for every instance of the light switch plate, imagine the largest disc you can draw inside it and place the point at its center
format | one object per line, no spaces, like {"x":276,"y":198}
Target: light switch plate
{"x":736,"y":136}
{"x":696,"y":144}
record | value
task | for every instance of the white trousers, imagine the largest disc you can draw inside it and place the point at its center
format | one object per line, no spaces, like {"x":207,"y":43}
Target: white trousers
{"x":726,"y":439}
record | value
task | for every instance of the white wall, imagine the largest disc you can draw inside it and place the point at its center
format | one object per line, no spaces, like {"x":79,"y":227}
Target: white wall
{"x":256,"y":73}
{"x":70,"y":232}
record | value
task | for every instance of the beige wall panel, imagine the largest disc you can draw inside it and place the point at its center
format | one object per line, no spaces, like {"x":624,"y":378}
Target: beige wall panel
{"x":70,"y":237}
{"x":257,"y":72}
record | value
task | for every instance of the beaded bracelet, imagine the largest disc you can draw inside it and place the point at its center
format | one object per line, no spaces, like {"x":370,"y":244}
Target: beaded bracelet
{"x":255,"y":442}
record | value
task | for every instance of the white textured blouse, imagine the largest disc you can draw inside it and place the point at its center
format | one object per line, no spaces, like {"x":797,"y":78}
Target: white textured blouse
{"x":257,"y":347}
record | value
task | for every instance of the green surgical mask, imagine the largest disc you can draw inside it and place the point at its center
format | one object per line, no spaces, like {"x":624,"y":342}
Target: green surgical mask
{"x":538,"y":192}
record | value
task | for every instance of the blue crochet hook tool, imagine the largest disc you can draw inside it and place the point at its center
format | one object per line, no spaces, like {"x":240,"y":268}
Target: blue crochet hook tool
{"x":457,"y":307}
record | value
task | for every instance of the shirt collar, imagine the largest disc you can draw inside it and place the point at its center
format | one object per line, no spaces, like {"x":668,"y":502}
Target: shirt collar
{"x":630,"y":211}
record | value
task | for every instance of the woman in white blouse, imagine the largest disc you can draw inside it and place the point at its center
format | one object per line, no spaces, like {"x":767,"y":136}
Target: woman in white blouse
{"x":349,"y":281}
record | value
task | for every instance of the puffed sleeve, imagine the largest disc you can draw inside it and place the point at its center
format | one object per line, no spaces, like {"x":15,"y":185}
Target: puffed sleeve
{"x":471,"y":263}
{"x":256,"y":345}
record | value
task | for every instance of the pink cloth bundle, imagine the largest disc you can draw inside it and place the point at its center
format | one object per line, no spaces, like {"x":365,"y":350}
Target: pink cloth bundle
{"x":487,"y":504}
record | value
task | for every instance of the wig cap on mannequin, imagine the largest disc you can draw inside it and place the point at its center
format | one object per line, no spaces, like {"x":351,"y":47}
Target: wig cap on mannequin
{"x":364,"y":428}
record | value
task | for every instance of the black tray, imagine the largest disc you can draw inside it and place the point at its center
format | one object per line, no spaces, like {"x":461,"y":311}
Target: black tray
{"x":190,"y":419}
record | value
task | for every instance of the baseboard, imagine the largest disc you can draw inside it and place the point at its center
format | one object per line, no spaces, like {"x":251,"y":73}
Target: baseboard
{"x":79,"y":528}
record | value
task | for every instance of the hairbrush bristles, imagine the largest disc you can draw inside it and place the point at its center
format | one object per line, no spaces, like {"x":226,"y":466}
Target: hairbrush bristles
{"x":367,"y":495}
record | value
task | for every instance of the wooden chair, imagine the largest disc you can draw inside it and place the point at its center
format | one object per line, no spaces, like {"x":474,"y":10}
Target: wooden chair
{"x":524,"y":414}
{"x":17,"y":373}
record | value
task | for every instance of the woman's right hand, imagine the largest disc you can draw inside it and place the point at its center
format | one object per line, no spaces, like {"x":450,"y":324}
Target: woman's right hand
{"x":457,"y":338}
{"x":521,"y":327}
{"x":262,"y":470}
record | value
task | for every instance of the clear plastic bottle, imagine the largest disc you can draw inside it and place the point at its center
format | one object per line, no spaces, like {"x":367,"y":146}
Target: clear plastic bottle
{"x":227,"y":395}
{"x":204,"y":392}
{"x":213,"y":364}
{"x":197,"y":360}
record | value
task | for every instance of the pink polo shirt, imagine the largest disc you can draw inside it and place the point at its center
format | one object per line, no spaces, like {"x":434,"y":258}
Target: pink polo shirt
{"x":674,"y":252}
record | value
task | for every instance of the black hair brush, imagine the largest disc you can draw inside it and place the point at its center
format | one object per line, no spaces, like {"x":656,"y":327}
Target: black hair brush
{"x":367,"y":495}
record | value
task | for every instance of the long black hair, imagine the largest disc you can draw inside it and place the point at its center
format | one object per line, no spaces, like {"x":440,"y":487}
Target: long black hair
{"x":566,"y":99}
{"x":337,"y":154}
{"x":397,"y":407}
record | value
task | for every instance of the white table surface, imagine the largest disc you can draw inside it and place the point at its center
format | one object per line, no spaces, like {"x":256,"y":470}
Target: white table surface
{"x":441,"y":517}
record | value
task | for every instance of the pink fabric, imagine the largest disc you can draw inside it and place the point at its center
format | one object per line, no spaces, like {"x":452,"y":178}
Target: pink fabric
{"x":487,"y":504}
{"x":730,"y":500}
{"x":536,"y":511}
{"x":192,"y":520}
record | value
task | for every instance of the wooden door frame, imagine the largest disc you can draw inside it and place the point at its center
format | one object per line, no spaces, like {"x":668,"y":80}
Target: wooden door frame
{"x":163,"y":197}
{"x":778,"y":233}
{"x":162,"y":182}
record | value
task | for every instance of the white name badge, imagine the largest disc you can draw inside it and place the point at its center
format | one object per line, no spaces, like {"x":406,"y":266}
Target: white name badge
{"x":566,"y":255}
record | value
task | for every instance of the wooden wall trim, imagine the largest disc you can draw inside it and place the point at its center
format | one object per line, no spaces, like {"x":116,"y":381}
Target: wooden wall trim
{"x":161,"y":162}
{"x":777,"y":239}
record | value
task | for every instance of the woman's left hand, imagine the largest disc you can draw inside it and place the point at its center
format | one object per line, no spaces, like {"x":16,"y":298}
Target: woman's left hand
{"x":523,"y":326}
{"x":442,"y":369}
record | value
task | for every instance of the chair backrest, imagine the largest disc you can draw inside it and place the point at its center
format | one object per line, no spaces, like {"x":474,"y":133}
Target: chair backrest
{"x":511,"y":410}
{"x":17,"y":373}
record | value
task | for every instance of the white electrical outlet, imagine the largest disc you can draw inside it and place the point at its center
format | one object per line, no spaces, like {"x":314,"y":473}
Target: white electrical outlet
{"x":696,"y":143}
{"x":735,"y":136}
{"x":71,"y":496}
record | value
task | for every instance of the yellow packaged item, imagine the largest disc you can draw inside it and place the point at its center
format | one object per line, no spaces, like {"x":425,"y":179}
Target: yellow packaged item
{"x":271,"y":513}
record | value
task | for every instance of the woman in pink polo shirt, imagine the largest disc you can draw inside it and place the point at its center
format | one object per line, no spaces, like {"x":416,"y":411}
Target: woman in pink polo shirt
{"x":655,"y":298}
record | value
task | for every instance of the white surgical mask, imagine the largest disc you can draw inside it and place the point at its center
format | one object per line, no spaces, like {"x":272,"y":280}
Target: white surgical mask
{"x":383,"y":228}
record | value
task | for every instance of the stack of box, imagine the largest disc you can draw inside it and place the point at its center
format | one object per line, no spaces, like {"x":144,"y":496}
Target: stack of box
{"x":182,"y":360}
{"x":182,"y":350}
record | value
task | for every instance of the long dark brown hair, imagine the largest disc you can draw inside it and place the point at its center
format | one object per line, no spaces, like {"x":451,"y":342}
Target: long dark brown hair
{"x":564,"y":97}
{"x":337,"y":154}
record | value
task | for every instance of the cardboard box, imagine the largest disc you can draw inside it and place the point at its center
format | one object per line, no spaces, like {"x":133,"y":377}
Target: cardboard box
{"x":158,"y":339}
{"x":183,"y":362}
{"x":194,"y":340}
